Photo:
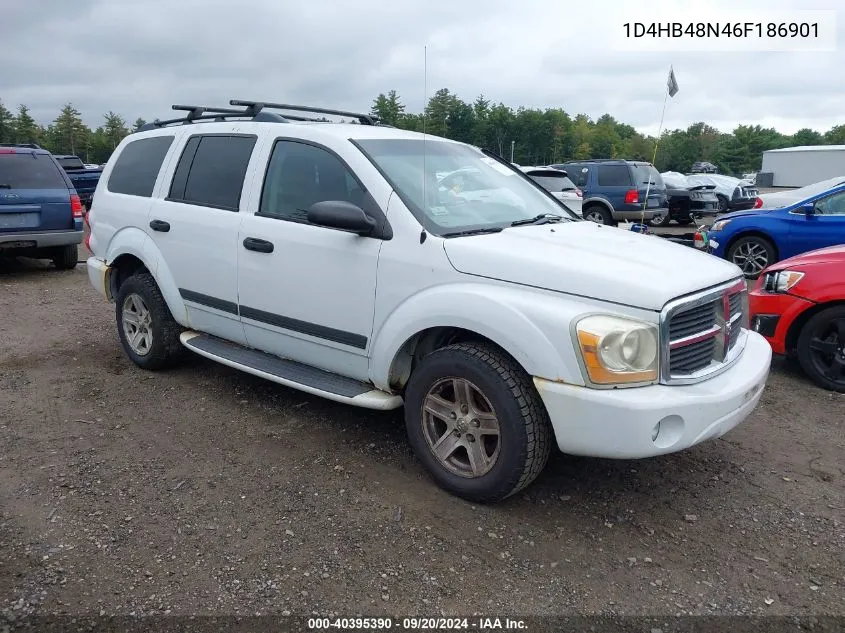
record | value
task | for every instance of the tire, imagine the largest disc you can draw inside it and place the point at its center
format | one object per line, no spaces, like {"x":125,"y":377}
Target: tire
{"x":65,"y":257}
{"x":524,"y":438}
{"x":598,"y":214}
{"x":723,"y":203}
{"x":661,"y":220}
{"x":749,"y":253}
{"x":140,"y":295}
{"x":821,"y":348}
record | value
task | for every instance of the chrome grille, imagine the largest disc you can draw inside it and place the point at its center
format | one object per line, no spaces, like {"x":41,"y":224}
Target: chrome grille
{"x":702,"y":334}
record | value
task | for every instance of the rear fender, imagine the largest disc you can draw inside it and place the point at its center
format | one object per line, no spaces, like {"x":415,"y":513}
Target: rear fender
{"x":133,"y":241}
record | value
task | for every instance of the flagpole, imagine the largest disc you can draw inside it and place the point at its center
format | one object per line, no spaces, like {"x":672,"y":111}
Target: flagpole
{"x":656,"y":143}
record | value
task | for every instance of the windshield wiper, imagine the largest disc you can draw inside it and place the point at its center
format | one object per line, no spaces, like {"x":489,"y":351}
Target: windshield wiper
{"x":543,"y":218}
{"x":479,"y":231}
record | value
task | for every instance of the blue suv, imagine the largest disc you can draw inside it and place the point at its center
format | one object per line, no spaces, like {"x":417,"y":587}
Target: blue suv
{"x":615,"y":189}
{"x":41,"y":214}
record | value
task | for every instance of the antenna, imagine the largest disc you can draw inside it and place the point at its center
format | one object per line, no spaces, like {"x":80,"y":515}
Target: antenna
{"x":425,"y":104}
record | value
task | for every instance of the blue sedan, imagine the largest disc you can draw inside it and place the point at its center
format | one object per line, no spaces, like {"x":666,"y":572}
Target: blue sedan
{"x":760,"y":237}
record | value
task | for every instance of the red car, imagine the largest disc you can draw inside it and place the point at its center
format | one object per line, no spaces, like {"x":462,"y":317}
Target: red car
{"x":798,"y":304}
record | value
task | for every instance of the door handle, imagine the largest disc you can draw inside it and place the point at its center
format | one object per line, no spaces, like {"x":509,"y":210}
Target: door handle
{"x":259,"y":246}
{"x":160,"y":225}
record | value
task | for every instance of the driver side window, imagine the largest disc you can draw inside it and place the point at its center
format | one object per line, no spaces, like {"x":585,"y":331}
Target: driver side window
{"x":300,"y":175}
{"x":832,"y":205}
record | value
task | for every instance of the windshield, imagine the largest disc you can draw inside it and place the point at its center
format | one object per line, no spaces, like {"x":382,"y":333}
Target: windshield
{"x":645,"y":174}
{"x":452,"y":187}
{"x":29,"y":171}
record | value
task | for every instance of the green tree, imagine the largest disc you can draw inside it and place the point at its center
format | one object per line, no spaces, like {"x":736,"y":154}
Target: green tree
{"x":115,"y":129}
{"x":806,"y":136}
{"x":26,"y":129}
{"x":388,"y":108}
{"x":835,"y":135}
{"x":7,"y":125}
{"x":139,"y":123}
{"x":68,"y":134}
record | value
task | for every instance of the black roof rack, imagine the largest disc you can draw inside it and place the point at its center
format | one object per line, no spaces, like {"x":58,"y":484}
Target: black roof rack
{"x":26,"y":145}
{"x":254,"y":110}
{"x":364,"y":119}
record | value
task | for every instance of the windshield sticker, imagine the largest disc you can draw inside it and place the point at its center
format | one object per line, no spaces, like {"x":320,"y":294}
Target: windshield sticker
{"x":497,"y":166}
{"x":439,"y":211}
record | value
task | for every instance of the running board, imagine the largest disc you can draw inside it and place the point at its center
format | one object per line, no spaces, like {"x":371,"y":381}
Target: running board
{"x":290,"y":373}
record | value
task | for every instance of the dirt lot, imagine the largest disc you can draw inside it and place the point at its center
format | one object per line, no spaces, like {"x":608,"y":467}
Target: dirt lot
{"x":206,"y":491}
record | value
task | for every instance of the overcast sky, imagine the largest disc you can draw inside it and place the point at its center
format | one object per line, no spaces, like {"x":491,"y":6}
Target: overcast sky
{"x":137,"y":57}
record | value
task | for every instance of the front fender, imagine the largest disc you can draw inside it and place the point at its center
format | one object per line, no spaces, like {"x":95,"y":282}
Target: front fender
{"x":532,"y":326}
{"x":133,"y":241}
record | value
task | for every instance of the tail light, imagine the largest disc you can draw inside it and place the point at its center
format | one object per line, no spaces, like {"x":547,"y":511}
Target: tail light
{"x":632,"y":197}
{"x":758,"y":203}
{"x":76,"y":207}
{"x":579,"y":193}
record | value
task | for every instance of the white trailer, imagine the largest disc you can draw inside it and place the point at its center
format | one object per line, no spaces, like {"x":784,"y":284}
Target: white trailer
{"x":801,"y":166}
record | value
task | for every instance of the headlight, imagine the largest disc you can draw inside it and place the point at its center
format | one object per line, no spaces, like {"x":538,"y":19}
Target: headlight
{"x":719,"y":225}
{"x":782,"y":280}
{"x":617,"y":350}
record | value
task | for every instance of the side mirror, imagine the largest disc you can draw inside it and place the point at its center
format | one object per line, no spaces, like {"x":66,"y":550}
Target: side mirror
{"x":339,"y":214}
{"x":809,"y":208}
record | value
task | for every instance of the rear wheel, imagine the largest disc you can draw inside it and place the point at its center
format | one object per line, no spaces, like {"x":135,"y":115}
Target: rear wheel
{"x":752,"y":254}
{"x":723,"y":203}
{"x":148,"y":332}
{"x":598,"y":214}
{"x":65,"y":257}
{"x":476,"y":422}
{"x":660,"y":219}
{"x":821,"y":348}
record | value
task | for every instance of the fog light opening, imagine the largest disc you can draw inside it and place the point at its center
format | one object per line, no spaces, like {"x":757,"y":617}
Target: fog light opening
{"x":668,"y":431}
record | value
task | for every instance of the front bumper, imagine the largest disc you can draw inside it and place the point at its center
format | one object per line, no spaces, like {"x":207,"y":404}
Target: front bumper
{"x":772,"y":314}
{"x":658,"y":419}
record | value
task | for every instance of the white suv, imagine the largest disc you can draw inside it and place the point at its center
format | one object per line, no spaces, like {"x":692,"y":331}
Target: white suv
{"x":325,"y":257}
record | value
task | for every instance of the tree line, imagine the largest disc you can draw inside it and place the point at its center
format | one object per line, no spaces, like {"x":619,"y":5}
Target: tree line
{"x":539,"y":137}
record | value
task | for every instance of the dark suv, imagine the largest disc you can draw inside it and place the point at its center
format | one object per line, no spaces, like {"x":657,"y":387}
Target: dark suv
{"x":41,"y":214}
{"x":615,"y":189}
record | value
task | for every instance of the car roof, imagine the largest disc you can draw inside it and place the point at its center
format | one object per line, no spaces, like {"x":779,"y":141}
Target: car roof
{"x":346,"y":131}
{"x":24,"y":148}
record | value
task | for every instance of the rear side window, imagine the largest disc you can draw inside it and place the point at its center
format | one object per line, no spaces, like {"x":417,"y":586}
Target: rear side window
{"x":614,"y":176}
{"x":211,"y":171}
{"x":30,"y":171}
{"x":136,"y":169}
{"x":551,"y":181}
{"x":648,"y":175}
{"x":578,"y":174}
{"x":70,"y":162}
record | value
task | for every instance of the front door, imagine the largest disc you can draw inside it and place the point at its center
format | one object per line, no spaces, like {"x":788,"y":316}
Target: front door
{"x":307,"y":292}
{"x":825,"y":227}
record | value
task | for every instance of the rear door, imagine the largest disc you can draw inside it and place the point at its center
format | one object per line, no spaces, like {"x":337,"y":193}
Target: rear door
{"x":34,"y":193}
{"x":195,"y":226}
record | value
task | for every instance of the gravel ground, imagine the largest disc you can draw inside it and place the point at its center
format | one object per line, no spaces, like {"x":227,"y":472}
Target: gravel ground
{"x":203,"y":490}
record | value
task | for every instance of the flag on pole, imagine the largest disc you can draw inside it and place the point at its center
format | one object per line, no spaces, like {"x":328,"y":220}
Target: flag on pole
{"x":672,"y":84}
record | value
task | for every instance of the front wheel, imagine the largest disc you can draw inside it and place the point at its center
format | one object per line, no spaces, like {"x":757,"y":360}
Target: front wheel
{"x":476,"y":422}
{"x":724,"y":203}
{"x":821,"y":348}
{"x":752,"y":254}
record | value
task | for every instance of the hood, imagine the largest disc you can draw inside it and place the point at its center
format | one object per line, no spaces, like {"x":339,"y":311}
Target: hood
{"x":591,"y":260}
{"x":830,"y":255}
{"x":741,"y":214}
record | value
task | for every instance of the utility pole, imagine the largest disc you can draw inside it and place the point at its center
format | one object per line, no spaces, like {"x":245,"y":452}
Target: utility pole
{"x":512,"y":144}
